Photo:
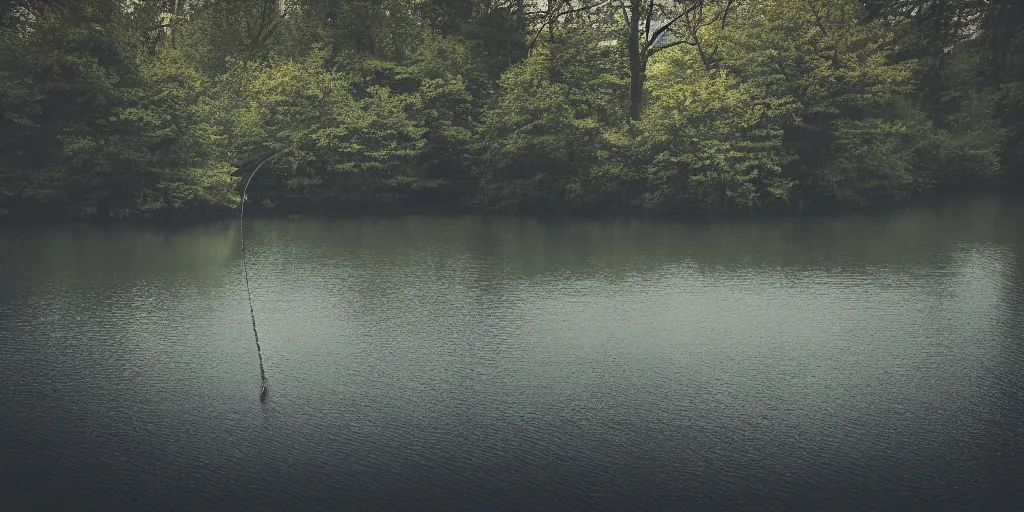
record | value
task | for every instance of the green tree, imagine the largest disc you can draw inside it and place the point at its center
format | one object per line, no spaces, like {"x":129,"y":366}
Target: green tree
{"x":853,"y":136}
{"x":717,"y":143}
{"x":63,"y":148}
{"x":547,"y":126}
{"x":116,"y":108}
{"x":95,"y":126}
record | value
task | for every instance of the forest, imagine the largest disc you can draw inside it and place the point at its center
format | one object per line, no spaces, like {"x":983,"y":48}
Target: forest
{"x":161,"y":108}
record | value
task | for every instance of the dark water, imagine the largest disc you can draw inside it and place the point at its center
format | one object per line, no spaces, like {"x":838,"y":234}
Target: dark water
{"x":855,"y":363}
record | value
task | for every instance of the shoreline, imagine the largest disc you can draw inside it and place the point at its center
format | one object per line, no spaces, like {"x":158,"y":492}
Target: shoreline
{"x":732,"y":216}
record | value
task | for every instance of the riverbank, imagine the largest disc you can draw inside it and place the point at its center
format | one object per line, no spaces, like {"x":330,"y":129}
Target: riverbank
{"x":936,"y":199}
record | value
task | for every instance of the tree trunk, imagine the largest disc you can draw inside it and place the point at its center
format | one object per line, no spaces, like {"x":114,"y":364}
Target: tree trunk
{"x":636,"y":63}
{"x":1004,"y":18}
{"x":174,"y":23}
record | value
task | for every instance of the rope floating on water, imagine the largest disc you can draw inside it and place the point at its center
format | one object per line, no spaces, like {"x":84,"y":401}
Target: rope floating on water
{"x":245,"y":267}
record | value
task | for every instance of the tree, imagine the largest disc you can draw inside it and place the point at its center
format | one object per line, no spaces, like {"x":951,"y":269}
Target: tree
{"x":151,"y":107}
{"x":716,"y":144}
{"x":647,"y":26}
{"x":643,"y":42}
{"x":546,"y":130}
{"x":853,"y":136}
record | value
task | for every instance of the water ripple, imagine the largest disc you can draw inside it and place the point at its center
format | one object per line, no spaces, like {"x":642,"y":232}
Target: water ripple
{"x":482,"y":364}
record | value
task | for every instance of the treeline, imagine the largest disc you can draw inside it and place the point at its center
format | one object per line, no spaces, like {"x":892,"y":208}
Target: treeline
{"x":134,"y":108}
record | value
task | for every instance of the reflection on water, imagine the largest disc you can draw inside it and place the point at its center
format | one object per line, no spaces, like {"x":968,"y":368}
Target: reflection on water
{"x":479,"y":363}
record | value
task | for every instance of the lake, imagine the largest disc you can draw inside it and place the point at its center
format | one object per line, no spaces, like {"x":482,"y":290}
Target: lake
{"x":861,"y":362}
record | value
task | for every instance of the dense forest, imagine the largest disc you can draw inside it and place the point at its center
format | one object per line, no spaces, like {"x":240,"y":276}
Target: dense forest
{"x":157,"y":108}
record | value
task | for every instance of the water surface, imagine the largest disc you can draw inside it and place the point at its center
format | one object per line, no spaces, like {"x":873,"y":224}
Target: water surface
{"x":869,"y":362}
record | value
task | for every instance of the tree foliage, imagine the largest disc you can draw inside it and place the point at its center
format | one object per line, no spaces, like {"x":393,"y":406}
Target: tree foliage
{"x":159,"y":107}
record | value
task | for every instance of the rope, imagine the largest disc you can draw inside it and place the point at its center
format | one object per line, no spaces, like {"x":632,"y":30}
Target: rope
{"x":245,"y":266}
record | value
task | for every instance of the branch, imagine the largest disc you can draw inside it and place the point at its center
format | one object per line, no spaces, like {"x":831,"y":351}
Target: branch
{"x":540,"y":30}
{"x":270,"y":30}
{"x":725,"y":13}
{"x":584,"y":8}
{"x":666,"y":26}
{"x":263,"y":23}
{"x":625,"y":14}
{"x":547,"y":11}
{"x":647,"y":28}
{"x":693,"y":27}
{"x":817,"y":18}
{"x":551,"y":19}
